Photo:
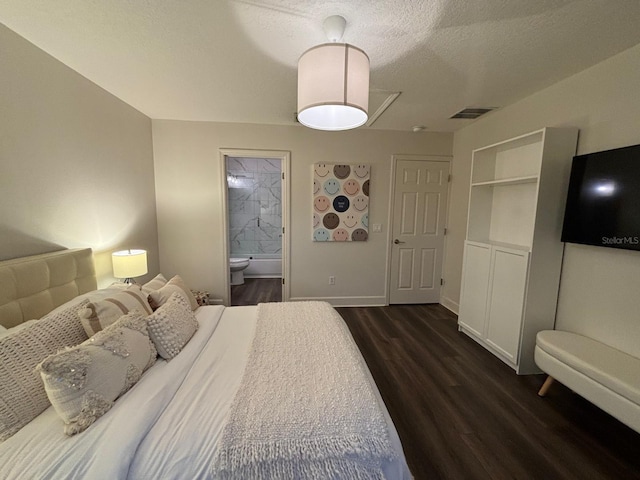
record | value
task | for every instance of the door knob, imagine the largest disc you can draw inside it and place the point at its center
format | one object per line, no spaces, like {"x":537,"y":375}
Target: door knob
{"x":396,"y":241}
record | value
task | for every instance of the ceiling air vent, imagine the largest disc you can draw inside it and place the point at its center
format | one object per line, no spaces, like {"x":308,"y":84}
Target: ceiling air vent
{"x":472,"y":112}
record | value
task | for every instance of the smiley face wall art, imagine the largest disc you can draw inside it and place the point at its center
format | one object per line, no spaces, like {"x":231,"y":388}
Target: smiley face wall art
{"x":340,"y":202}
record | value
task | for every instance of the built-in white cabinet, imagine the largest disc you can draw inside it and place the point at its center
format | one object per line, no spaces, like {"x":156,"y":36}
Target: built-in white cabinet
{"x":513,"y":253}
{"x":508,"y":280}
{"x":475,"y":287}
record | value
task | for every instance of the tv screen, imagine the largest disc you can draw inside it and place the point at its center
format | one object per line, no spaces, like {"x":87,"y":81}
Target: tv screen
{"x":603,"y":202}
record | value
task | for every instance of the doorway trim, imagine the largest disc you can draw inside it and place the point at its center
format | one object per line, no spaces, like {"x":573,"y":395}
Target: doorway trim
{"x":285,"y":161}
{"x":392,"y":194}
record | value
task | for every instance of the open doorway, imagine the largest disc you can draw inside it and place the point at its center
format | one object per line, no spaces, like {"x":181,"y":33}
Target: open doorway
{"x":255,"y":185}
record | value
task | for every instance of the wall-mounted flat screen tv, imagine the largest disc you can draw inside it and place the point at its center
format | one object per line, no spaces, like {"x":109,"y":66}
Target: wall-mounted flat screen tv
{"x":603,"y":202}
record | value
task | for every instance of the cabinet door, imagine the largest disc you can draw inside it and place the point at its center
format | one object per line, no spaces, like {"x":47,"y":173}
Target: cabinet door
{"x":475,"y":283}
{"x":506,"y":300}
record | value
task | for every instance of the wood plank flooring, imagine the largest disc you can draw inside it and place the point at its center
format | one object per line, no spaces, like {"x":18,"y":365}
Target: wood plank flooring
{"x":463,"y":414}
{"x":257,"y":290}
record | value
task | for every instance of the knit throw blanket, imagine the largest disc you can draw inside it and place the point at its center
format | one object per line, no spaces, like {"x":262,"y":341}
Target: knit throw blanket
{"x":305,"y":407}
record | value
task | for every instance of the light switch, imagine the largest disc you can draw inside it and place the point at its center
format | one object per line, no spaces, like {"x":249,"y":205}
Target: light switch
{"x":377,"y":228}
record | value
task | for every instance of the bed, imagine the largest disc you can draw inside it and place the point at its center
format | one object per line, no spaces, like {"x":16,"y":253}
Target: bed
{"x":210,"y":412}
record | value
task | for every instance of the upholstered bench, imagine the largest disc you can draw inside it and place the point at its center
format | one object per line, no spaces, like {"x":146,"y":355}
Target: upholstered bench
{"x":607,"y":377}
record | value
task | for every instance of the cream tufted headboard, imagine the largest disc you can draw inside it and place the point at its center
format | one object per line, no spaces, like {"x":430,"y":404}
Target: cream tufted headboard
{"x":30,"y":287}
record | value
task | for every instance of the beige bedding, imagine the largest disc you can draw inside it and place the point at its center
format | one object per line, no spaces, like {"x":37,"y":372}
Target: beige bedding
{"x":138,"y":438}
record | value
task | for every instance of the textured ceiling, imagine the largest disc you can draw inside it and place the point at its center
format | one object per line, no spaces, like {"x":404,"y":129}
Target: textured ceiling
{"x":235,"y":61}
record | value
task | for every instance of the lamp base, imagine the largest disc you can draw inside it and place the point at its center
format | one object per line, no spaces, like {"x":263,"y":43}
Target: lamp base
{"x":129,"y":281}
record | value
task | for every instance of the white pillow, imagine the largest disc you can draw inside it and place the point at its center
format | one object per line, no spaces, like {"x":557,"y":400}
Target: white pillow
{"x":158,"y":297}
{"x":102,"y":313}
{"x":83,"y":382}
{"x":172,"y":325}
{"x":156,"y":283}
{"x":22,"y":395}
{"x":92,"y":296}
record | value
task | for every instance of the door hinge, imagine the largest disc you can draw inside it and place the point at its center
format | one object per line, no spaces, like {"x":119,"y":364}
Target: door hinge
{"x":442,"y":281}
{"x":283,"y":281}
{"x":445,"y":230}
{"x":283,"y":175}
{"x":449,"y":178}
{"x":282,"y":229}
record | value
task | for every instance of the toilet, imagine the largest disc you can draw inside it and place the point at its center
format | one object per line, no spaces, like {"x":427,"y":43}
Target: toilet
{"x":237,"y":266}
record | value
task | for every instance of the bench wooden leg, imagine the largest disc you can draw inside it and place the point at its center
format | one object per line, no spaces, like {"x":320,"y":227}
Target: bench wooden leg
{"x":545,"y":386}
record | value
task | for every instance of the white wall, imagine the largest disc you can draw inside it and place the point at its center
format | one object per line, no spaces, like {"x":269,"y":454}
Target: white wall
{"x":188,"y":193}
{"x":76,"y":163}
{"x":603,"y":102}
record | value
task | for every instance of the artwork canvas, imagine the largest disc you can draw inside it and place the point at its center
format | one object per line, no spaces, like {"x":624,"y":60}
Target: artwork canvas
{"x":340,"y":202}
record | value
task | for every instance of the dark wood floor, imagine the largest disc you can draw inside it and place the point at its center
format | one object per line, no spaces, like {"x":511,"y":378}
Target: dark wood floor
{"x":257,"y":290}
{"x":462,"y":414}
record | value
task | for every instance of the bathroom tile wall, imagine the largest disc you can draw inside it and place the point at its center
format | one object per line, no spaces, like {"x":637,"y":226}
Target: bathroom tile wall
{"x":255,"y":207}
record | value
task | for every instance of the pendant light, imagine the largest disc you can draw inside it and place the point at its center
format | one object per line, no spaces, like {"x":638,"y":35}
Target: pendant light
{"x":333,"y":82}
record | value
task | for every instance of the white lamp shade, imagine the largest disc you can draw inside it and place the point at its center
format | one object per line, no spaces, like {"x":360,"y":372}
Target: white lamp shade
{"x":333,"y":87}
{"x":129,"y":263}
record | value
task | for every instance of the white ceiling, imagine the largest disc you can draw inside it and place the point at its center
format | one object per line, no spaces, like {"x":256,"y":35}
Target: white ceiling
{"x":235,"y":60}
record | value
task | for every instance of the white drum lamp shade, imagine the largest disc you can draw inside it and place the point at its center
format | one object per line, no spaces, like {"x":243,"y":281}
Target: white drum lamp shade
{"x":333,"y":87}
{"x":128,"y":264}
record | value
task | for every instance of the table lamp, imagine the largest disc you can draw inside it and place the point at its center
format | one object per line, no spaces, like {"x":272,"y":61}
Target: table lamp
{"x":128,"y":264}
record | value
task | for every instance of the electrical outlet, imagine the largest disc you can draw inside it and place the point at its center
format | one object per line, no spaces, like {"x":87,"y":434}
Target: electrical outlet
{"x":377,"y":228}
{"x":332,"y":280}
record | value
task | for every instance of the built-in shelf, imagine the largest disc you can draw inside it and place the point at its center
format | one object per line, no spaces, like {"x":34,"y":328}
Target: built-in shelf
{"x":507,"y":181}
{"x":514,"y":159}
{"x":513,"y":252}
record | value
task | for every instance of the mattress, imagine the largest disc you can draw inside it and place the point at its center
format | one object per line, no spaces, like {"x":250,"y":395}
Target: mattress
{"x":168,"y":425}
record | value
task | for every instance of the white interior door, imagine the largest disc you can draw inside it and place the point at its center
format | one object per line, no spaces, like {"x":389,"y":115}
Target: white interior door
{"x":417,"y":228}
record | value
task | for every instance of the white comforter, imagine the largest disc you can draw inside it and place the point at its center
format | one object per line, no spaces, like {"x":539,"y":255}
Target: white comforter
{"x":167,"y":426}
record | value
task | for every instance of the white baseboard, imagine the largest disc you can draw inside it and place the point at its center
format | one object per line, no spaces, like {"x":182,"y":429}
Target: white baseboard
{"x":450,"y":305}
{"x":345,"y":301}
{"x":355,"y":302}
